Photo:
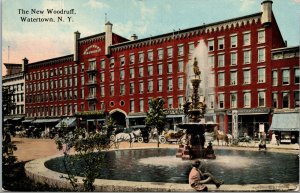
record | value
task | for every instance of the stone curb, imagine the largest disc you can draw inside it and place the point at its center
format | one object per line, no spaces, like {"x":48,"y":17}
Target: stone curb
{"x":37,"y":171}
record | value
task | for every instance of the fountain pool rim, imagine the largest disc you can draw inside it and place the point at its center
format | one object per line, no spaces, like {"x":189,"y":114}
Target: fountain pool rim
{"x":37,"y":171}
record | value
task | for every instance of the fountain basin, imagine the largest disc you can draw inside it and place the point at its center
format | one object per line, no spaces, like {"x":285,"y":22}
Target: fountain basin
{"x":36,"y":170}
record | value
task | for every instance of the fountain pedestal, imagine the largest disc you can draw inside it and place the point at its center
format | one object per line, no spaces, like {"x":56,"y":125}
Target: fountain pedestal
{"x":195,"y":140}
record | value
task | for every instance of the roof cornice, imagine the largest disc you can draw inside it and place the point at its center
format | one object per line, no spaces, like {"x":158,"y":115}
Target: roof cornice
{"x":68,"y":58}
{"x":189,"y":32}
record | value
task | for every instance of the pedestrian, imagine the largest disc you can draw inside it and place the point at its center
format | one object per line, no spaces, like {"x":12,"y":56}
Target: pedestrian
{"x":197,"y":178}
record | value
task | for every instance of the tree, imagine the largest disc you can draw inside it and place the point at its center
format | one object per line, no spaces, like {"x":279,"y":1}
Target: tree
{"x":156,"y":116}
{"x":8,"y":147}
{"x":8,"y":103}
{"x":84,"y":148}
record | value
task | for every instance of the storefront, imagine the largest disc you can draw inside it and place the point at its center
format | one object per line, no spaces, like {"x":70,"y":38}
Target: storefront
{"x":286,"y":127}
{"x":134,"y":119}
{"x":173,"y":116}
{"x":250,"y":122}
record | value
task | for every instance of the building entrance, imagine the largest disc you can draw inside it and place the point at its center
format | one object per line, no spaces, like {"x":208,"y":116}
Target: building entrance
{"x":119,"y":118}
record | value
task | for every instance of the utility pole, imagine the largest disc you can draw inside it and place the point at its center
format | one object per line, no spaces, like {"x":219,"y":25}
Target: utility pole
{"x":8,"y":55}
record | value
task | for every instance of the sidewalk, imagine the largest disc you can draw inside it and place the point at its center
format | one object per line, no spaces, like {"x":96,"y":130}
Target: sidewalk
{"x":254,"y":144}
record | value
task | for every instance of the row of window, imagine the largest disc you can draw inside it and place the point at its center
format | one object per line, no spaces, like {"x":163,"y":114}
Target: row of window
{"x":261,"y":99}
{"x":52,"y":84}
{"x":18,"y":97}
{"x":234,"y":58}
{"x":150,"y":56}
{"x":59,"y":110}
{"x":122,"y":74}
{"x":18,"y":110}
{"x":51,"y":110}
{"x":67,"y":70}
{"x":139,"y":105}
{"x":285,"y":74}
{"x":55,"y":96}
{"x":16,"y":87}
{"x":132,"y":85}
{"x":234,"y":40}
{"x":261,"y":78}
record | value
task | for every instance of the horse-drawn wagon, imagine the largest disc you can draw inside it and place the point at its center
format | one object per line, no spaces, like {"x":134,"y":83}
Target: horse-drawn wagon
{"x":172,"y":136}
{"x":140,"y":133}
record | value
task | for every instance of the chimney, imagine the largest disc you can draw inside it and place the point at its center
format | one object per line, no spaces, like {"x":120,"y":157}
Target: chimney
{"x":266,"y":8}
{"x":108,"y":37}
{"x":134,"y":37}
{"x":25,"y":62}
{"x":76,"y":47}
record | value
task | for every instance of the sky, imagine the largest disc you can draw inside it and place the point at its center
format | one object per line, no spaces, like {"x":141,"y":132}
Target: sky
{"x":43,"y":40}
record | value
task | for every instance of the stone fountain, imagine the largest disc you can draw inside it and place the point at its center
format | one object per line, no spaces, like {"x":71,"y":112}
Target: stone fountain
{"x":196,"y":126}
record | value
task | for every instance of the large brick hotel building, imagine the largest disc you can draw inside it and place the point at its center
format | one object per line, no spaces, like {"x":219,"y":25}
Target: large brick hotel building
{"x":256,"y":76}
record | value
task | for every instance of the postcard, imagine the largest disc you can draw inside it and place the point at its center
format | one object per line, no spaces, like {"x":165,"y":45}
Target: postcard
{"x":150,"y":96}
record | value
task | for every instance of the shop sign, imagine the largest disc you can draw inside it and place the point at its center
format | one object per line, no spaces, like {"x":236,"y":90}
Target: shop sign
{"x":92,"y":49}
{"x":235,"y":131}
{"x":173,"y":111}
{"x":261,"y":127}
{"x":250,"y":111}
{"x":85,"y":113}
{"x":296,"y":110}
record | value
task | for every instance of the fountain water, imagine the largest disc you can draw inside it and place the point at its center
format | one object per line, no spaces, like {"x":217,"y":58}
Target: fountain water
{"x":195,"y":108}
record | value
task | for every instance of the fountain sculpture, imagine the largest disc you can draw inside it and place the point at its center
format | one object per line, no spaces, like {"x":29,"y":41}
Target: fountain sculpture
{"x":195,"y":128}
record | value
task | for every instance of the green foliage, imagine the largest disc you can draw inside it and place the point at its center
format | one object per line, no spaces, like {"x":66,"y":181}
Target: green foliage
{"x":19,"y":182}
{"x":156,"y":116}
{"x":8,"y":148}
{"x":109,"y":125}
{"x":84,"y":150}
{"x":7,"y":103}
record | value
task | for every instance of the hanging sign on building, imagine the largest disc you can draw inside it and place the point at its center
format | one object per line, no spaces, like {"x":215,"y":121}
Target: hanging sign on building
{"x":92,"y":49}
{"x":235,"y":131}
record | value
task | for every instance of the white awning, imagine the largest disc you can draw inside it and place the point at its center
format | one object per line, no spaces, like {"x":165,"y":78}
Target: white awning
{"x":45,"y":120}
{"x":27,"y":121}
{"x":174,"y":116}
{"x":16,"y":118}
{"x":69,"y":122}
{"x":136,"y":116}
{"x":286,"y":122}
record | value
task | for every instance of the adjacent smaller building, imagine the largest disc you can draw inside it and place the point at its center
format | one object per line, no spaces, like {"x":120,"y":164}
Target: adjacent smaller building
{"x":14,"y":80}
{"x":285,"y":94}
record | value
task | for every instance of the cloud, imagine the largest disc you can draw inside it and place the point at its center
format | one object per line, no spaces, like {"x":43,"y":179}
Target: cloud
{"x":247,"y":5}
{"x":147,"y":15}
{"x":129,"y":28}
{"x":96,"y":4}
{"x":36,"y":47}
{"x":297,"y":1}
{"x":54,"y":4}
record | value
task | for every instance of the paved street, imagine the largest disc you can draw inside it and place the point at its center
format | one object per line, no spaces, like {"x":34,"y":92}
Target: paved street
{"x":29,"y":148}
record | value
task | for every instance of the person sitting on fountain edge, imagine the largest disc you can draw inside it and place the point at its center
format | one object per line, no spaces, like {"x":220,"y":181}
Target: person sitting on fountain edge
{"x":197,"y":179}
